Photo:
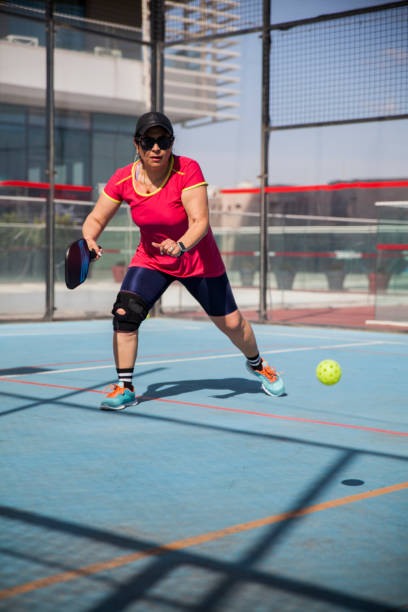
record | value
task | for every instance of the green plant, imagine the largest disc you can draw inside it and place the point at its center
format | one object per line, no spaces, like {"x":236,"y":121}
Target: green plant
{"x":336,"y":264}
{"x":389,"y":263}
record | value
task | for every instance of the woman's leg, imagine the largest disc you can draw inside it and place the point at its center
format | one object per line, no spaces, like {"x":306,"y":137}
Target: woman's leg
{"x":148,"y":285}
{"x":125,"y":349}
{"x":215,"y":296}
{"x":239,"y":331}
{"x":140,"y":290}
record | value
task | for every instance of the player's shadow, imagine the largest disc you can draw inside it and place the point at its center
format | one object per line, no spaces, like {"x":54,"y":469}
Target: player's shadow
{"x":228,"y":387}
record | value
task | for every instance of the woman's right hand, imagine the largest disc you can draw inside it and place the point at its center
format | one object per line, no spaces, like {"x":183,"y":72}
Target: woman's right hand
{"x":93,"y":245}
{"x":99,"y":217}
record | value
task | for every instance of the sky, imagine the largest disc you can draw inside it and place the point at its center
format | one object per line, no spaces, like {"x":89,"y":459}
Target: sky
{"x":229,"y":152}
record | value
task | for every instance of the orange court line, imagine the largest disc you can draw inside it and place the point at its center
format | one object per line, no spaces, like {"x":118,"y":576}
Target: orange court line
{"x":155,"y":551}
{"x":236,"y":410}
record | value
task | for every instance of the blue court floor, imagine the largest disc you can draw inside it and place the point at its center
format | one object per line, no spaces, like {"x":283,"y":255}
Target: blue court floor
{"x":207,"y":495}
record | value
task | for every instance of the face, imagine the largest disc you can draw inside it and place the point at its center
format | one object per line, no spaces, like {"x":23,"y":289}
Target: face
{"x":155,"y":157}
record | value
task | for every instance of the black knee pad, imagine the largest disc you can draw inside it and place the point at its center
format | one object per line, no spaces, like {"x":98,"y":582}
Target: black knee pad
{"x":136,"y":310}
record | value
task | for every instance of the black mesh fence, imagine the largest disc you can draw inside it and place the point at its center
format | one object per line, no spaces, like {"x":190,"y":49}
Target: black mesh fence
{"x":189,"y":19}
{"x":345,"y":67}
{"x":352,"y":68}
{"x":332,"y":69}
{"x":115,"y":19}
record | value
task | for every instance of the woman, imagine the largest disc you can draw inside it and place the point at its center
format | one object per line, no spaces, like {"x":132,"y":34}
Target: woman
{"x":168,"y":199}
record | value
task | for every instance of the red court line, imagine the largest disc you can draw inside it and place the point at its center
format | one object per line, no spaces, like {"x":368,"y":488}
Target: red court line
{"x":28,"y":382}
{"x":235,"y":410}
{"x":197,"y":540}
{"x":285,"y":418}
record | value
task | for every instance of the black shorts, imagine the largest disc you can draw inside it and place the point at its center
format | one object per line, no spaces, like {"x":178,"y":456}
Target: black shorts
{"x":214,"y":294}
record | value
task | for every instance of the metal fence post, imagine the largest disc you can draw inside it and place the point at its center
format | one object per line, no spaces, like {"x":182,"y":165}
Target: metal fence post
{"x":265,"y":119}
{"x":157,"y":37}
{"x":50,"y":214}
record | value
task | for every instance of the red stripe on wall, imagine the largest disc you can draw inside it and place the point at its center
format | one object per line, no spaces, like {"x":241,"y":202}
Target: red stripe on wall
{"x":334,"y":187}
{"x":392,"y":247}
{"x":32,"y":185}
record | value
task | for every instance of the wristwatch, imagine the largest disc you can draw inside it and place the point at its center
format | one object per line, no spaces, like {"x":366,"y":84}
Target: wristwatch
{"x":182,"y":249}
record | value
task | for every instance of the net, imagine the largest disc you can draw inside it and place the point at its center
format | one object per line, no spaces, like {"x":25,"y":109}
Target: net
{"x":339,"y":70}
{"x":189,"y":19}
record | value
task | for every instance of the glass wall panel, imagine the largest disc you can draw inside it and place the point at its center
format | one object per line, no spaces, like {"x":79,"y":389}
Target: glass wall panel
{"x":97,"y":109}
{"x":112,"y":144}
{"x":325,"y":183}
{"x":209,"y":95}
{"x":13,"y":142}
{"x":22,"y":206}
{"x":389,"y":280}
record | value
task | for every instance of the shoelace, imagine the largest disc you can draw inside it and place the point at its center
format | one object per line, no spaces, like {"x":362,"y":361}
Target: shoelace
{"x":113,"y":390}
{"x":270,"y":373}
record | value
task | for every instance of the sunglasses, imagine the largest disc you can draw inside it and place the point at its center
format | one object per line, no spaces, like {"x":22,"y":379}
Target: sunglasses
{"x":147,"y":142}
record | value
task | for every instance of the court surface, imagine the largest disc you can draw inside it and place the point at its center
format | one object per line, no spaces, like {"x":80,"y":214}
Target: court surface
{"x":207,"y":495}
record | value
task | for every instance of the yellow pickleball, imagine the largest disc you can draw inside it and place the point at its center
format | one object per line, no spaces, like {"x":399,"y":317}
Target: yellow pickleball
{"x":328,"y":372}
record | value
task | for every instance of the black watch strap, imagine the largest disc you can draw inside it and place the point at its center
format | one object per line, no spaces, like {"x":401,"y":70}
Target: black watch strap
{"x":182,"y":247}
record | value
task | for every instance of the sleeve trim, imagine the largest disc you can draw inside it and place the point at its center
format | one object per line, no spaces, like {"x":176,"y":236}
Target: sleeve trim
{"x":193,"y":186}
{"x":110,"y":197}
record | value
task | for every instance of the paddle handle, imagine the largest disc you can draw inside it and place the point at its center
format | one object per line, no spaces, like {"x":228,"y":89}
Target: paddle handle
{"x":92,"y":253}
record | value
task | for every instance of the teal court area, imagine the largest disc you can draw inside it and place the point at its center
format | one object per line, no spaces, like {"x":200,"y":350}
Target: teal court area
{"x":208,"y":494}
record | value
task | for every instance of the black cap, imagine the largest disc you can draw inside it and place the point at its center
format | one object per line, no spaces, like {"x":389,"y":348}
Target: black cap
{"x":153,"y":119}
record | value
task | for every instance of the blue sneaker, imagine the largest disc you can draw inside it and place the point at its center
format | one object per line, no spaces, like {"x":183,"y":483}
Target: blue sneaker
{"x":119,"y":398}
{"x":270,"y":380}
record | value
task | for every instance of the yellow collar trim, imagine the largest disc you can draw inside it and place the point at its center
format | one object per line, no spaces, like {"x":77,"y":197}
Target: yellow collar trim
{"x":124,"y":179}
{"x":147,"y":195}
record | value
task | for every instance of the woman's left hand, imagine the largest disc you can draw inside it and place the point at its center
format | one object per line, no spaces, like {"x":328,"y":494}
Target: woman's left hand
{"x":168,"y":247}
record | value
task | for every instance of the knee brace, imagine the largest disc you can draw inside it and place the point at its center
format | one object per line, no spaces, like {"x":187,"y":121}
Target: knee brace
{"x":136,"y":310}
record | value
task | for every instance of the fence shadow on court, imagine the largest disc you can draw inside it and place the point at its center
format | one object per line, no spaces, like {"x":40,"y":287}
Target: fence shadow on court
{"x":231,"y":386}
{"x":230,"y":575}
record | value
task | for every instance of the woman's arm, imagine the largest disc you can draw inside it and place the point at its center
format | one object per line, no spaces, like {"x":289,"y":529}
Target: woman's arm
{"x":97,"y":220}
{"x":195,"y":203}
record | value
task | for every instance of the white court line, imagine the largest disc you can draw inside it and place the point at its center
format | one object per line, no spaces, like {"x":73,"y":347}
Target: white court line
{"x":310,"y":336}
{"x":392,"y":323}
{"x":80,"y":332}
{"x":70,"y":332}
{"x":224,"y":356}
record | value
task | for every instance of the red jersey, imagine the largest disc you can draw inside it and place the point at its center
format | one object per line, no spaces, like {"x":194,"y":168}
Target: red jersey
{"x":161,"y":215}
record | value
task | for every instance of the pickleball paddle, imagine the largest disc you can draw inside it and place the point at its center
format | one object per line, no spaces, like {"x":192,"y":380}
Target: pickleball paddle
{"x":77,"y":259}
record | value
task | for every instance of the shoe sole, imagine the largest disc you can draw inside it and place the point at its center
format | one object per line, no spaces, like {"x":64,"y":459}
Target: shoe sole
{"x":272,"y":394}
{"x":121,"y":407}
{"x":264,"y":389}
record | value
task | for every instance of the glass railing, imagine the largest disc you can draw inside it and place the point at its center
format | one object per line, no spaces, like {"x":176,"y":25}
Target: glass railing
{"x":390,"y":276}
{"x":317,"y":263}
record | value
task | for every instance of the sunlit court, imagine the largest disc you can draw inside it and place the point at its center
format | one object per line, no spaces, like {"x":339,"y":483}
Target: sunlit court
{"x":207,"y":494}
{"x":203,"y":306}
